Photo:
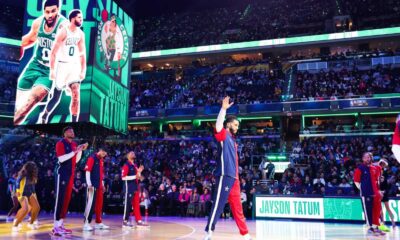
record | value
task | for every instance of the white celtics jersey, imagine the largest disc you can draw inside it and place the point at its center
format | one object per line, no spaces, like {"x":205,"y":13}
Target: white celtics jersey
{"x":69,"y":51}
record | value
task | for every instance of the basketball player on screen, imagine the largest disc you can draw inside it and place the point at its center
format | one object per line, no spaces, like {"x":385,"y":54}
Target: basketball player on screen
{"x":113,"y":41}
{"x":70,"y":53}
{"x":34,"y":83}
{"x":228,"y":186}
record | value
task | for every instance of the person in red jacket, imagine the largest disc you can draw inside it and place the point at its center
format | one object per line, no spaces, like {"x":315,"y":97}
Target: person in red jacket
{"x":68,"y":154}
{"x":366,"y":179}
{"x":95,"y":189}
{"x":130,"y":175}
{"x":227,"y":173}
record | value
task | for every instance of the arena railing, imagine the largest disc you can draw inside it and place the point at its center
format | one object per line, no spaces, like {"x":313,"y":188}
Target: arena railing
{"x":358,"y":103}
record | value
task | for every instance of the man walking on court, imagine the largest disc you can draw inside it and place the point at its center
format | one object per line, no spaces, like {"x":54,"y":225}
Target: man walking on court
{"x":228,"y":185}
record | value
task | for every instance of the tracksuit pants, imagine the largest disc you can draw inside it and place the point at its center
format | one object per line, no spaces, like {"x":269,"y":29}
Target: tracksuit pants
{"x":94,"y":202}
{"x":372,"y":209}
{"x":136,"y":206}
{"x":227,"y":189}
{"x":64,"y":184}
{"x":129,"y":200}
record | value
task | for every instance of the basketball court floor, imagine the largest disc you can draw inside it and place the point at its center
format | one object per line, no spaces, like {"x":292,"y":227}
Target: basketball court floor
{"x":165,"y":228}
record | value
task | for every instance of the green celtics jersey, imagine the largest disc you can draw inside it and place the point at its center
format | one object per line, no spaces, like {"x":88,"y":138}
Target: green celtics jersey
{"x":110,"y":41}
{"x":45,"y":41}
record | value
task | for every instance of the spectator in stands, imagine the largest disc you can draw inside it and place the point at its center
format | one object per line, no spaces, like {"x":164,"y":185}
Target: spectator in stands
{"x":205,"y":203}
{"x":344,"y":184}
{"x":78,"y":193}
{"x":193,"y":207}
{"x":345,"y":83}
{"x":47,"y":195}
{"x":318,"y":187}
{"x":116,"y":185}
{"x":144,"y":200}
{"x":319,"y":179}
{"x":270,"y":170}
{"x":161,"y":201}
{"x":173,"y":200}
{"x":183,"y":200}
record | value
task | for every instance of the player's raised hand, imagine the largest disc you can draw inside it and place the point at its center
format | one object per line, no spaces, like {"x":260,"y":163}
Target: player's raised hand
{"x":225,"y":103}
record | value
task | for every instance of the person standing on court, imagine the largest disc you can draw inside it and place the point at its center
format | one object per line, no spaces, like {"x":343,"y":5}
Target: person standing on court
{"x":94,"y":169}
{"x":227,"y":174}
{"x":366,"y":179}
{"x":68,"y":154}
{"x":130,"y":175}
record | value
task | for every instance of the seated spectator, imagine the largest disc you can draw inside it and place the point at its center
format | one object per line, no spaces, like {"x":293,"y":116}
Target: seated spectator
{"x":205,"y":203}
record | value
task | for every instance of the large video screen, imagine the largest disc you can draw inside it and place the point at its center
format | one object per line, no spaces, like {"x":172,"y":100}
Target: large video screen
{"x":111,"y":70}
{"x":75,"y":64}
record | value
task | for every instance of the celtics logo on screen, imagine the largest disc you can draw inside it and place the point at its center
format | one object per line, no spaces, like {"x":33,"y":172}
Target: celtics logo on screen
{"x":112,"y":44}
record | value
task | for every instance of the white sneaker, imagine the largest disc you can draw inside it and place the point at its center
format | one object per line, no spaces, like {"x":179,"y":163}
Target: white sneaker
{"x":247,"y":237}
{"x":208,"y":235}
{"x":101,"y":226}
{"x":87,"y":227}
{"x":33,"y":226}
{"x":15,"y":229}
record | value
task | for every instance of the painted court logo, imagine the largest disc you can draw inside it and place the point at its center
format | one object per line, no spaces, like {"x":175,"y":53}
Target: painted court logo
{"x":112,"y":44}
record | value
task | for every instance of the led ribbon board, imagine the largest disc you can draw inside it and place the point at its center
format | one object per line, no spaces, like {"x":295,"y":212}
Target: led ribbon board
{"x":271,"y":42}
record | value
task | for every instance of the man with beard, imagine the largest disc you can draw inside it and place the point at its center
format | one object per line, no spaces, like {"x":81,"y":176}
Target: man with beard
{"x":68,"y":153}
{"x":366,"y":179}
{"x":95,"y":189}
{"x":130,"y":175}
{"x":34,"y":83}
{"x":70,"y":52}
{"x":228,"y":186}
